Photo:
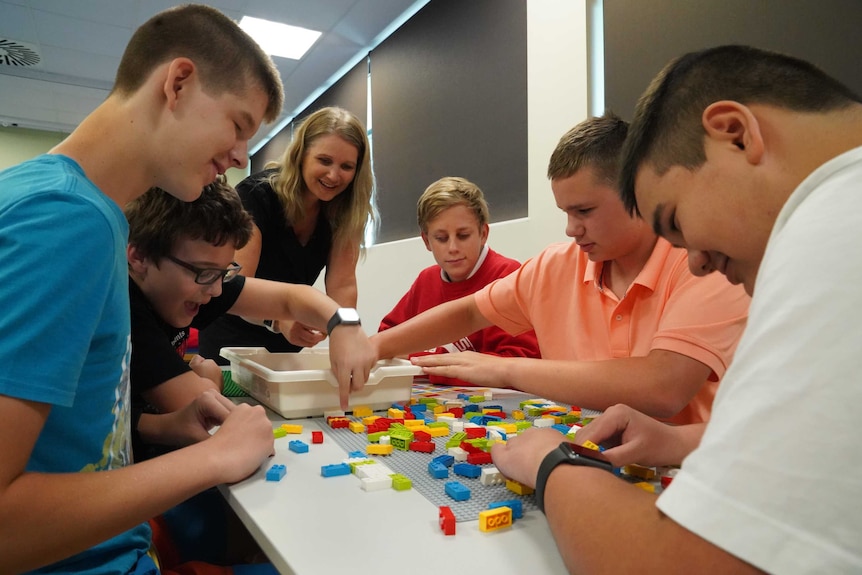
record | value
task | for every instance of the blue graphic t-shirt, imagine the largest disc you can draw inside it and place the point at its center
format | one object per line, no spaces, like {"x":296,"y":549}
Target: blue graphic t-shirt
{"x":65,"y":326}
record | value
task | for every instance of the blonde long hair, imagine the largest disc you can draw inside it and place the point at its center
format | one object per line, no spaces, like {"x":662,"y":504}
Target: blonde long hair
{"x":350,"y":211}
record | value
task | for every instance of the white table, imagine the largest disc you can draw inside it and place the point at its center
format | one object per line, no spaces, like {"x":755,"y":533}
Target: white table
{"x":311,"y":525}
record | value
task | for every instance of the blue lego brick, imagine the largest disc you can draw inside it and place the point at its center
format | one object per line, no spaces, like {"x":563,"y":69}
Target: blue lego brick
{"x":463,"y":396}
{"x":276,"y":472}
{"x":470,"y":407}
{"x":515,"y":504}
{"x":353,"y":454}
{"x":445,"y":459}
{"x":335,"y":470}
{"x":298,"y":446}
{"x":438,"y":470}
{"x":457,"y":491}
{"x":493,"y":407}
{"x":467,"y":470}
{"x":564,"y":429}
{"x":418,"y":408}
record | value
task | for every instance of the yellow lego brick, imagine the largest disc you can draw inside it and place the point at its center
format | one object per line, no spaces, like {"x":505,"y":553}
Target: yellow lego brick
{"x":555,"y":418}
{"x":518,"y":488}
{"x":438,"y":431}
{"x":414,"y":423}
{"x":518,"y":414}
{"x":356,"y":427}
{"x":444,"y":414}
{"x":507,"y":427}
{"x":439,"y":409}
{"x":376,"y":449}
{"x":370,"y":419}
{"x":634,"y":470}
{"x":362,"y":411}
{"x":649,"y":487}
{"x":395,"y":413}
{"x":494,"y":519}
{"x":590,"y":445}
{"x":291,"y":428}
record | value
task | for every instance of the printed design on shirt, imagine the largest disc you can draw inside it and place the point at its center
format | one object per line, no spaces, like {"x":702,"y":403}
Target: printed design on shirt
{"x":117,"y":447}
{"x":180,"y":342}
{"x":463,"y":344}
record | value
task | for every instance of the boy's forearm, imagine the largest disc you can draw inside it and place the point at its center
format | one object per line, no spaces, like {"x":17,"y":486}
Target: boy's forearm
{"x":47,"y":517}
{"x":437,"y":326}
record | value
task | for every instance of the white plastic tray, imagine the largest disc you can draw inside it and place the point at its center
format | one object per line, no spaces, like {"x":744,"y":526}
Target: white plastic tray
{"x":303,"y":385}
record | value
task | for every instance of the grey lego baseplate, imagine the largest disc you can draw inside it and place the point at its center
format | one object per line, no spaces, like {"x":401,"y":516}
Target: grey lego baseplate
{"x":414,"y":465}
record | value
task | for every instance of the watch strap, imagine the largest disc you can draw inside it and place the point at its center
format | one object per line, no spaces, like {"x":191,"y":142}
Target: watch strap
{"x":557,"y":456}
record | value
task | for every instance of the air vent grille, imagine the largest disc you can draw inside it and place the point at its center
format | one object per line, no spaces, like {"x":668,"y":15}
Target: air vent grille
{"x":18,"y":54}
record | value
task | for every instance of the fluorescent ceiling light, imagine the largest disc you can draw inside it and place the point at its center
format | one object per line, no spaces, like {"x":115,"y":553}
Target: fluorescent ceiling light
{"x":279,"y":39}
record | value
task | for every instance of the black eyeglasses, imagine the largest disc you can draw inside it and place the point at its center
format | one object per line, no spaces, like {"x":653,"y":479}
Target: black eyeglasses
{"x":208,"y":276}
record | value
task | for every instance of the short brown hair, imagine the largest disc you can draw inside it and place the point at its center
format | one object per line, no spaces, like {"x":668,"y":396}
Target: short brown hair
{"x":596,"y":143}
{"x":158,"y":220}
{"x":229,"y":60}
{"x":667,"y":129}
{"x":446,"y":193}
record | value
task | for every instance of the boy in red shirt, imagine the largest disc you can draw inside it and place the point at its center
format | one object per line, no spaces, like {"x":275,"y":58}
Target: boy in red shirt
{"x":453,"y":220}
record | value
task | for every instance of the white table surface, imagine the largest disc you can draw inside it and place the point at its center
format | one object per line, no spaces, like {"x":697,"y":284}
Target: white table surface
{"x":313,"y":525}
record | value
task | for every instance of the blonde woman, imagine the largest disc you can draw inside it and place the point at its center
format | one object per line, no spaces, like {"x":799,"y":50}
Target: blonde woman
{"x":310,"y":210}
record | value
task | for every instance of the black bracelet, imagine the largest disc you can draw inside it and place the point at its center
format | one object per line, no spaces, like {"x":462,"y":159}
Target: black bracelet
{"x":571,"y":454}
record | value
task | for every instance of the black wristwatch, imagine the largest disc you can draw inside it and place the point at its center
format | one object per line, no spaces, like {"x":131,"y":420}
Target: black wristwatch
{"x":343,"y":316}
{"x":569,"y":453}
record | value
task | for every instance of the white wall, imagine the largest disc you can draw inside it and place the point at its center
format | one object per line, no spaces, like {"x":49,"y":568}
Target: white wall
{"x":557,"y":100}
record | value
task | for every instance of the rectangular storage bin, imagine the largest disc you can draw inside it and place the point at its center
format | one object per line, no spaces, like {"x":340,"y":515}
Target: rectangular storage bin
{"x":303,"y":385}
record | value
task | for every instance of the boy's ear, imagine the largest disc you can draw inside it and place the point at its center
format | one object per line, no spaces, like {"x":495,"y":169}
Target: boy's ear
{"x":483,"y":233}
{"x":425,"y":240}
{"x":137,"y":263}
{"x":734,"y":124}
{"x":181,"y":71}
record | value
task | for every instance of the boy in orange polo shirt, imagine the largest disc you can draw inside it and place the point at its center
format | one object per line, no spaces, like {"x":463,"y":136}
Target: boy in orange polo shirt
{"x":617,"y":313}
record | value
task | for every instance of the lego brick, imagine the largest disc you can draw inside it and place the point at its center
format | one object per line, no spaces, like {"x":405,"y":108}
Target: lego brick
{"x":457,"y":491}
{"x":494,"y":519}
{"x":298,"y":446}
{"x":291,"y":428}
{"x":491,"y":476}
{"x":437,"y":470}
{"x":335,"y":470}
{"x":516,"y":505}
{"x":317,"y":437}
{"x":276,"y":472}
{"x":467,"y":470}
{"x":447,"y":520}
{"x":376,"y":449}
{"x":375,"y":483}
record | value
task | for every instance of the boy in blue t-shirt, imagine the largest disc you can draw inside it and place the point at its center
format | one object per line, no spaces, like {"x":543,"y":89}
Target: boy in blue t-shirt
{"x":176,"y":117}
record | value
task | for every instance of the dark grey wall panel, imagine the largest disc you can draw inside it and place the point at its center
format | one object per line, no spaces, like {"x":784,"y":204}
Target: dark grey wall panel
{"x":349,"y":92}
{"x":449,"y":98}
{"x":641,"y":36}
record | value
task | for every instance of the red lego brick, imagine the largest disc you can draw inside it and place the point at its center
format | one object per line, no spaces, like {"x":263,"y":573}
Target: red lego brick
{"x":447,"y":520}
{"x":479,"y":458}
{"x":423,"y":446}
{"x":421,"y":436}
{"x":317,"y":437}
{"x":474,"y":432}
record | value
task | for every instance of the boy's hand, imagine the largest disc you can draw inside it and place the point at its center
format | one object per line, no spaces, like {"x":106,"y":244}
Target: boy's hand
{"x":520,"y":457}
{"x":242,"y":443}
{"x":478,"y":368}
{"x":352,"y":357}
{"x":207,"y":369}
{"x":190,"y":424}
{"x":299,"y":334}
{"x":632,"y":437}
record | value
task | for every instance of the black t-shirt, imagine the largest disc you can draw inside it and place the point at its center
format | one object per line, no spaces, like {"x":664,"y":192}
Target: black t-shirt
{"x":282,"y":258}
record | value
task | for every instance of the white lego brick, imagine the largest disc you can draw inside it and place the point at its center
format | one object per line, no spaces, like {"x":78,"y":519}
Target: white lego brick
{"x":543,"y":422}
{"x":376,"y":483}
{"x":491,"y":476}
{"x":458,"y":453}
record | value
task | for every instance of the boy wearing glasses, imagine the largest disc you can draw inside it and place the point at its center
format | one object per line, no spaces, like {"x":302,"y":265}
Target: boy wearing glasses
{"x":182,"y":275}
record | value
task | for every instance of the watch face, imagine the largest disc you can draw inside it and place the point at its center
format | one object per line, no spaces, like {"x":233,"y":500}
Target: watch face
{"x":348,"y":315}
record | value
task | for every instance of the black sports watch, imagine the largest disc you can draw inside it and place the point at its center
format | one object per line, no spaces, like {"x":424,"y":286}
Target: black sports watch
{"x":343,"y":316}
{"x":572,"y":454}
